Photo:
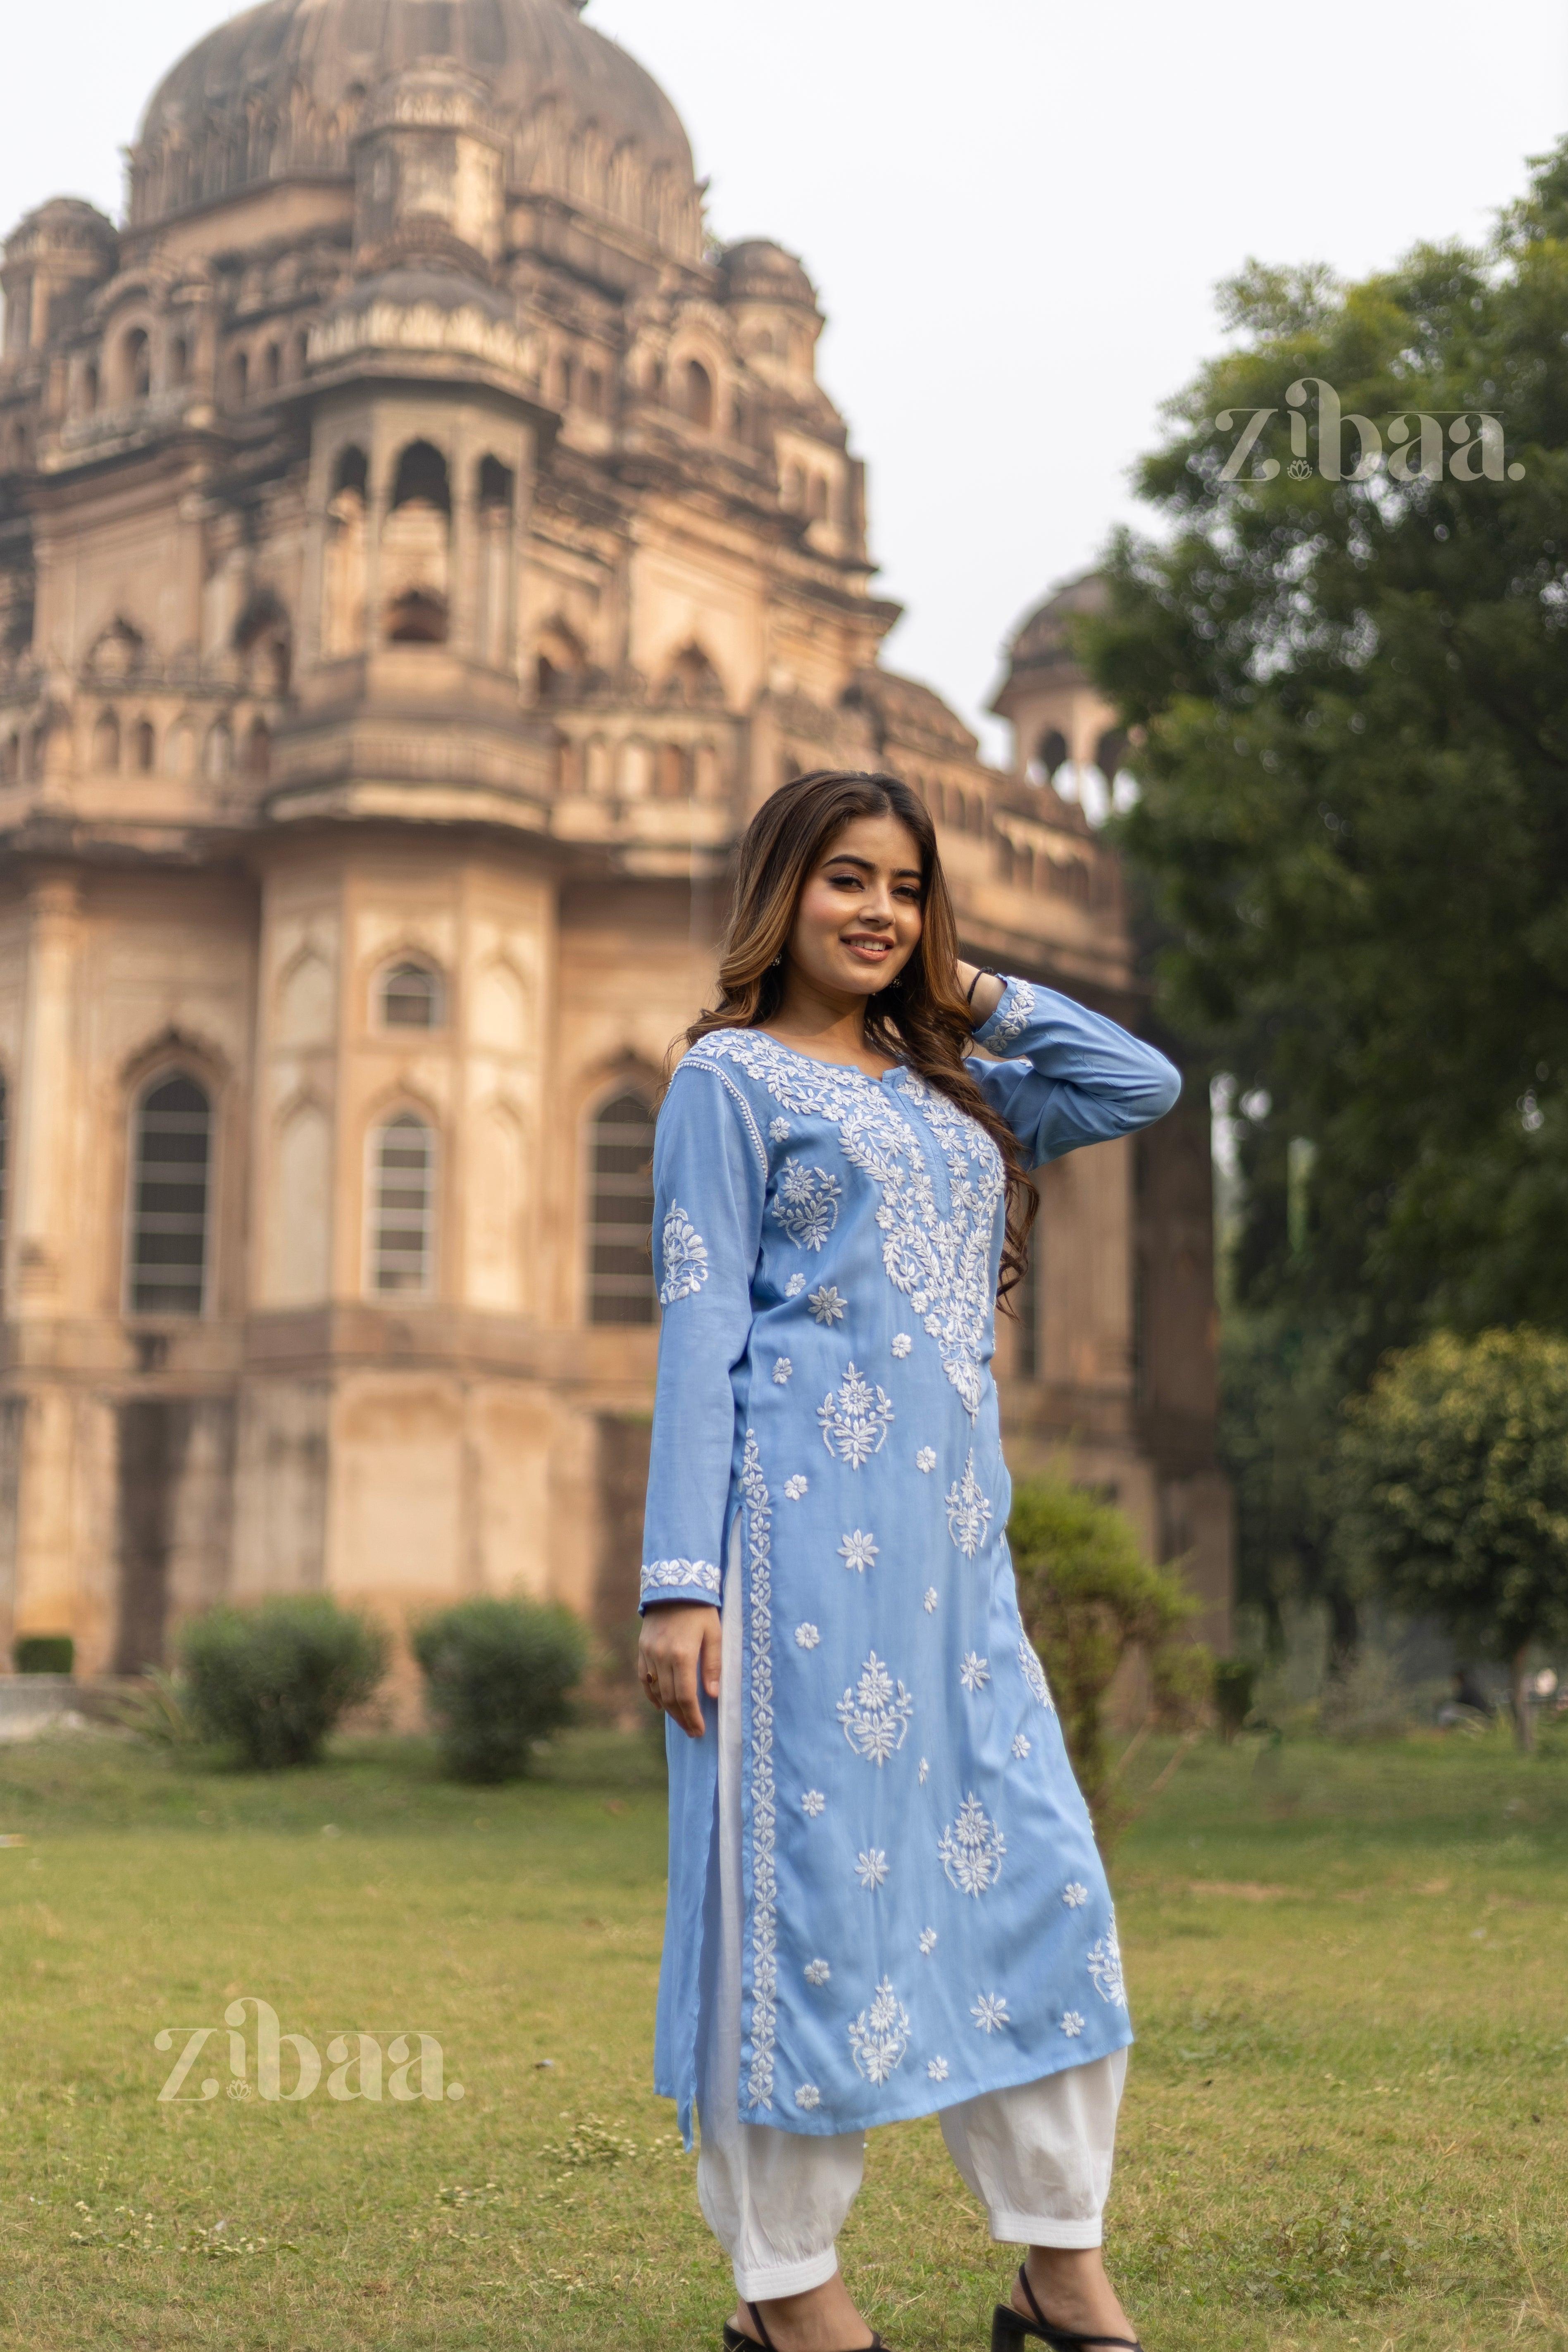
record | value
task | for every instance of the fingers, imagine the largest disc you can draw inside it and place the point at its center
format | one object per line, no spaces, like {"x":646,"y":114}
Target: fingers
{"x":713,"y":1651}
{"x":678,"y":1657}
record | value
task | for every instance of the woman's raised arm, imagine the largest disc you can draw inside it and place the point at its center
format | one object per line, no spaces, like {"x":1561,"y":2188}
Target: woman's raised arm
{"x":1071,"y":1077}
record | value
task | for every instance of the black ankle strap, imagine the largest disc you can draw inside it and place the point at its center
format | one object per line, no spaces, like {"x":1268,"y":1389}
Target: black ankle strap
{"x":1063,"y":2336}
{"x":760,"y":2325}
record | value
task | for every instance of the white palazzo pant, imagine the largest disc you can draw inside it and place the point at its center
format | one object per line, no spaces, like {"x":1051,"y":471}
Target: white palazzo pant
{"x":1037,"y":2156}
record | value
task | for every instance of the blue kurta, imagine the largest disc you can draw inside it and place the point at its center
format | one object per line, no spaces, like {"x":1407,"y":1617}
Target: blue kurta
{"x":926,"y":1914}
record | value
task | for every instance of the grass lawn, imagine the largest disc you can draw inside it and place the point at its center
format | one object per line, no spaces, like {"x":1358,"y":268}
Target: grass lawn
{"x":1346,"y":2122}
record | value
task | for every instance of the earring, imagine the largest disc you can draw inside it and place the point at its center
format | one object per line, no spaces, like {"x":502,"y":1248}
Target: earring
{"x":776,"y":961}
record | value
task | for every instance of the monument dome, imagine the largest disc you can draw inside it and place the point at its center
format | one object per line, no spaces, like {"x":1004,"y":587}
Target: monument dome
{"x":281,"y":90}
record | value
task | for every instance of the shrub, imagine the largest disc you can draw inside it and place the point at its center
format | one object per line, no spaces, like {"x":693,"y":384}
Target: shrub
{"x":499,"y":1675}
{"x":1087,"y":1596}
{"x":1234,"y":1680}
{"x":44,"y":1653}
{"x":274,"y":1680}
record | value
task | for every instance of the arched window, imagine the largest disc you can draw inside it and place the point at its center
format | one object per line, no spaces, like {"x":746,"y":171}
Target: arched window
{"x":620,"y":1215}
{"x":699,"y":394}
{"x":272,"y":366}
{"x":11,"y":758}
{"x":144,"y":748}
{"x":138,"y":364}
{"x":1110,"y":754}
{"x":1051,"y":750}
{"x":239,"y":375}
{"x":415,"y":547}
{"x":817,"y":499}
{"x":411,"y":997}
{"x":179,"y":360}
{"x":402,"y":1206}
{"x":593,"y":392}
{"x":89,"y":386}
{"x":106,"y":743}
{"x":257,"y":757}
{"x":172,"y":1156}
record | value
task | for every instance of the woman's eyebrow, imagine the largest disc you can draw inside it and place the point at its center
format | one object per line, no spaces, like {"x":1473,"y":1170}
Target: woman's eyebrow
{"x":900,"y":873}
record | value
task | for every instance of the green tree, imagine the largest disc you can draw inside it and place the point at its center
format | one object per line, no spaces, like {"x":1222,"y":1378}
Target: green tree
{"x":1456,"y":1475}
{"x":1282,"y":1384}
{"x":1353,"y":825}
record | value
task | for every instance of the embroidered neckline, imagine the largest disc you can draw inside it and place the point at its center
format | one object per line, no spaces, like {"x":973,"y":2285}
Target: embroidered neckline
{"x":942,"y":1264}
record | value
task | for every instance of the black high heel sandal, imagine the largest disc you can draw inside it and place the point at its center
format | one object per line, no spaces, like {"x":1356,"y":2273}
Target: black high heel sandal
{"x":735,"y":2342}
{"x":1011,"y":2332}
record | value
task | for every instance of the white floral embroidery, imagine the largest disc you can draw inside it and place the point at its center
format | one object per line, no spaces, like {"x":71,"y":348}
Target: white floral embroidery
{"x":1072,"y":2024}
{"x":794,"y":1285}
{"x":812,"y":1803}
{"x":871,"y":1868}
{"x":876,"y":1714}
{"x":928,"y":1942}
{"x":901,"y":1344}
{"x":659,"y":1575}
{"x":925,"y":1770}
{"x":1020,"y":1745}
{"x":808,"y":2097}
{"x":854,"y":1419}
{"x":779,"y":1132}
{"x":968,"y":1511}
{"x":1074,"y":1895}
{"x":1012,"y":1014}
{"x":990,"y":2012}
{"x":1105,"y":1969}
{"x":764,"y":1878}
{"x":929,"y":1598}
{"x":796,"y":1487}
{"x":942,"y":1264}
{"x":807,"y":1637}
{"x":937,"y":2069}
{"x":880,"y":2036}
{"x":807,"y":1203}
{"x":974,"y":1673}
{"x":684,"y":1257}
{"x":1034,"y":1675}
{"x":859,"y":1550}
{"x":782,"y":1369}
{"x":971,"y":1849}
{"x":926,"y":1458}
{"x":817,"y":1973}
{"x":826,"y":1303}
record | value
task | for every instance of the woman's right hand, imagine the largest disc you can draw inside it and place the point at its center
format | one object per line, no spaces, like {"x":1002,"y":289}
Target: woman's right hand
{"x":678,"y":1657}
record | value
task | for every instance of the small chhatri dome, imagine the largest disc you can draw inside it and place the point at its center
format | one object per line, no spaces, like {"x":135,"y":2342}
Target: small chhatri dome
{"x":283,"y":88}
{"x":755,"y":270}
{"x":1044,"y":635}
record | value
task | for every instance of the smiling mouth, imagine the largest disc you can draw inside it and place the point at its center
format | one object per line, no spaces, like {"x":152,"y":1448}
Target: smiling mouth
{"x":874,"y":949}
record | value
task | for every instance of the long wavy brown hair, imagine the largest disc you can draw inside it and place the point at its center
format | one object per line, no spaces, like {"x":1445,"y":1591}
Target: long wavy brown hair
{"x":921,"y":1018}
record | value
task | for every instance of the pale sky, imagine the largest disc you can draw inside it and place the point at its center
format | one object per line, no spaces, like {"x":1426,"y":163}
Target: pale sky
{"x":1015,"y":212}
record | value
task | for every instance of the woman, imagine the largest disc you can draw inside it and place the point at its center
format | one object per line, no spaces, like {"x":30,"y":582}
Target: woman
{"x":885,"y":1898}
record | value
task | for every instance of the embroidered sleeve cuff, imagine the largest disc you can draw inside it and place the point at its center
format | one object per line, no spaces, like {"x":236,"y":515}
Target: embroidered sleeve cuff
{"x":1013,"y":1015}
{"x":681,"y":1579}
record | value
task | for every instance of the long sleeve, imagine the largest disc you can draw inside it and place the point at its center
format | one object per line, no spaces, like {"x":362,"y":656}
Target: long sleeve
{"x":1073,"y":1076}
{"x":709,"y":1166}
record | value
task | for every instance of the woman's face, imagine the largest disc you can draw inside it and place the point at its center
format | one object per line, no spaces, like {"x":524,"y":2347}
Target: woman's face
{"x":858,"y":917}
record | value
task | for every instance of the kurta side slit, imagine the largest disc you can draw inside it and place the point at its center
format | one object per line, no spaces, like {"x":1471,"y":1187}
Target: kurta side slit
{"x":925,"y":1916}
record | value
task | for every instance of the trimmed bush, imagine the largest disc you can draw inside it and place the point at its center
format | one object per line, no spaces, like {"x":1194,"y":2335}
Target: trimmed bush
{"x":1087,"y":1596}
{"x":499,"y":1675}
{"x":274,"y":1680}
{"x":44,"y":1653}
